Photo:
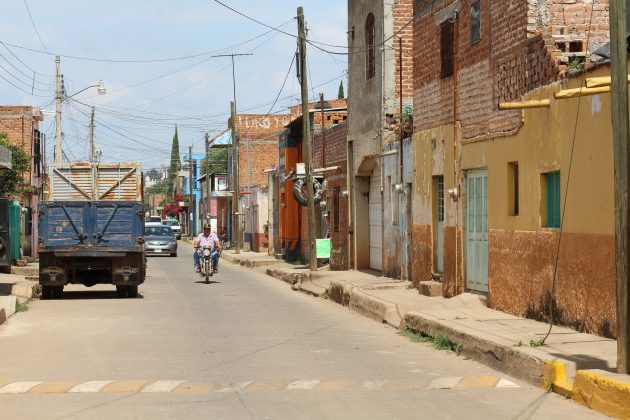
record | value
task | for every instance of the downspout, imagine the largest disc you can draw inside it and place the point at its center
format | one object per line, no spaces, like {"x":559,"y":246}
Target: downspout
{"x":453,"y":19}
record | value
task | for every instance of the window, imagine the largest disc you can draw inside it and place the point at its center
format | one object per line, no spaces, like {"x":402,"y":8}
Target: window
{"x":370,"y":40}
{"x":335,"y":206}
{"x":513,"y":204}
{"x":447,"y":38}
{"x":552,"y":193}
{"x":475,"y":22}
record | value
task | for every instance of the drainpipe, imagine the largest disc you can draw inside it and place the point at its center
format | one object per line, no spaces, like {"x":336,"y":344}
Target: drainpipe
{"x":456,"y":150}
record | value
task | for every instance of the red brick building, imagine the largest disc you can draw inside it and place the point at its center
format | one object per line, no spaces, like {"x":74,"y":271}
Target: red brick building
{"x":21,"y":124}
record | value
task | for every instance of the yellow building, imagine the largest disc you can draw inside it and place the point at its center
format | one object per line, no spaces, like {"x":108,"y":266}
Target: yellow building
{"x":527,"y":217}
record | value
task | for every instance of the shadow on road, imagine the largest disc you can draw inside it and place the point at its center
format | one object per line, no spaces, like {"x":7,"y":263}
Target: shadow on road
{"x":210,"y":282}
{"x":93,"y":295}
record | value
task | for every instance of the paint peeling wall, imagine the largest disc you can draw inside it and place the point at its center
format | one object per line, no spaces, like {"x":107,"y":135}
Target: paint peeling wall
{"x":522,"y":250}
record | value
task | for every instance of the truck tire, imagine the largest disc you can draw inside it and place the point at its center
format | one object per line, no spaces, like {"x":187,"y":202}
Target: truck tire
{"x":121,"y":291}
{"x":57,"y":292}
{"x":300,"y":194}
{"x":132,"y":291}
{"x":46,"y":292}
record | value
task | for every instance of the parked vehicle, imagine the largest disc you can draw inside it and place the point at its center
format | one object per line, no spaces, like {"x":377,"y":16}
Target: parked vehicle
{"x":153,"y":219}
{"x":92,"y":230}
{"x":91,"y":242}
{"x":174,"y":224}
{"x":160,"y":240}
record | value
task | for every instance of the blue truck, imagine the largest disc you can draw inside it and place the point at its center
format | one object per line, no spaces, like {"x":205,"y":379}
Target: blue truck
{"x":91,"y":229}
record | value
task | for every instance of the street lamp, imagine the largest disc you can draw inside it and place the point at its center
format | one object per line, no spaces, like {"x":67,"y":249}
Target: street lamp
{"x":60,"y":96}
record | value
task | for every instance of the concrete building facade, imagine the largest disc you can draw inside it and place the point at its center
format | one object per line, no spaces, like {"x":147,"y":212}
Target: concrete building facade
{"x":376,"y":85}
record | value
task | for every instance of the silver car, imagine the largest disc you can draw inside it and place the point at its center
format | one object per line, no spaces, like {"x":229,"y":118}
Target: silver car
{"x":174,"y":224}
{"x":159,"y":240}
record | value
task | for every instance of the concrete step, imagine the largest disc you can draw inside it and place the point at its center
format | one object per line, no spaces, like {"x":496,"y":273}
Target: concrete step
{"x":26,"y":289}
{"x":430,"y":288}
{"x":8,"y":306}
{"x":29,"y":270}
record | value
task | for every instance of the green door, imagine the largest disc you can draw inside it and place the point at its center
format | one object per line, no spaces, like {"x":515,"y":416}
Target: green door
{"x":15,"y":230}
{"x":477,"y":230}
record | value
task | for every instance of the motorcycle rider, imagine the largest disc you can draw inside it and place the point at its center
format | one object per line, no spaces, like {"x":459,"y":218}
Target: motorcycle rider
{"x":207,"y":239}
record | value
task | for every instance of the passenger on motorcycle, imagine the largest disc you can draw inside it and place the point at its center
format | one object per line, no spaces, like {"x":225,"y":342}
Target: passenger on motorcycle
{"x":207,"y":239}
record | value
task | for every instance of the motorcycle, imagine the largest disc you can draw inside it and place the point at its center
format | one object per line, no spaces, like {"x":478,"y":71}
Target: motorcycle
{"x":207,"y":269}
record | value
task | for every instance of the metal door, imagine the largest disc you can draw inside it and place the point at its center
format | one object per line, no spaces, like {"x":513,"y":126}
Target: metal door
{"x":477,"y":230}
{"x":439,"y":234}
{"x":376,"y":221}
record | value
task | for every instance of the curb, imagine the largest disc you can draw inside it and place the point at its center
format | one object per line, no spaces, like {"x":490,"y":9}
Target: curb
{"x":606,"y":392}
{"x":8,"y":307}
{"x":602,"y":391}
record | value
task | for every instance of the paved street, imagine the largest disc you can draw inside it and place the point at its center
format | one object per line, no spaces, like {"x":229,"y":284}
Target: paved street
{"x":245,"y":346}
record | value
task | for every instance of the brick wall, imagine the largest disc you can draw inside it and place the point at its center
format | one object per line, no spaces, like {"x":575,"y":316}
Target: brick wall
{"x":336,"y":155}
{"x":521,"y":48}
{"x":402,"y":11}
{"x":18,"y":123}
{"x":258,"y":145}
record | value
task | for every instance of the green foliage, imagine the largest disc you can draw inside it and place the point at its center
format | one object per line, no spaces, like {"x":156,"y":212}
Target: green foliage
{"x":575,"y":64}
{"x":440,"y":342}
{"x":176,"y":164}
{"x":341,"y":93}
{"x":537,"y":343}
{"x":160,"y":187}
{"x":215,"y":162}
{"x":11,"y":182}
{"x":325,"y":295}
{"x":22,"y":307}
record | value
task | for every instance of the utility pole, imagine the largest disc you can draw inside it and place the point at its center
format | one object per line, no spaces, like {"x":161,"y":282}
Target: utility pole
{"x":92,"y":160}
{"x":236,"y":228}
{"x":235,"y":181}
{"x":92,"y":157}
{"x":207,"y":203}
{"x":619,"y":98}
{"x":58,"y":99}
{"x":321,"y":100}
{"x":191,"y":196}
{"x":307,"y":141}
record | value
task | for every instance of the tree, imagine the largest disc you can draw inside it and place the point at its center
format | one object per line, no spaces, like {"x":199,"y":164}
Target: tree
{"x":160,"y":187}
{"x":341,"y":94}
{"x":11,"y":181}
{"x":215,"y":162}
{"x":176,"y":164}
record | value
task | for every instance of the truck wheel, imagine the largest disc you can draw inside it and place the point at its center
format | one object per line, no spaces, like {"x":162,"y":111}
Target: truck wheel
{"x":121,"y":291}
{"x":174,"y":254}
{"x":46,"y":292}
{"x":57,"y":292}
{"x":132,"y":291}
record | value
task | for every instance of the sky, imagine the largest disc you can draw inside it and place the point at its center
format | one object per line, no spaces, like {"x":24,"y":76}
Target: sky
{"x":155,"y":58}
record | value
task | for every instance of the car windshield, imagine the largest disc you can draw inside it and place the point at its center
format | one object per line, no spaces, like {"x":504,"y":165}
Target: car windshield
{"x":170,"y":222}
{"x":158,"y":231}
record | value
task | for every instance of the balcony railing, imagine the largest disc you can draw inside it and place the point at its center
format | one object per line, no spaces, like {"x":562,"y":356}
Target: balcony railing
{"x":5,"y":158}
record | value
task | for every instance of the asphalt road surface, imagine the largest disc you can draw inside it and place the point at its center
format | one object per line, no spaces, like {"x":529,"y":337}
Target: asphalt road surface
{"x":244,"y":346}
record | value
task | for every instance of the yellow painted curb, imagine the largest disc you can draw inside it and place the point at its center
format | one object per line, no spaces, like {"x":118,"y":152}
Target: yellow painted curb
{"x":555,"y":378}
{"x":271,"y":385}
{"x":606,"y":392}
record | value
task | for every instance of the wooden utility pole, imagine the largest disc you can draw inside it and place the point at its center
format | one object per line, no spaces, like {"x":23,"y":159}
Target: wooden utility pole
{"x":619,"y":98}
{"x":236,"y":220}
{"x":321,"y":100}
{"x":92,"y":159}
{"x":307,"y":141}
{"x":58,"y":99}
{"x":207,"y":202}
{"x":191,"y":196}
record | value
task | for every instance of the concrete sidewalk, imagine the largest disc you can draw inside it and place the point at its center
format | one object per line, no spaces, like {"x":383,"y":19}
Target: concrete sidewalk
{"x":576,"y":365}
{"x":15,"y":289}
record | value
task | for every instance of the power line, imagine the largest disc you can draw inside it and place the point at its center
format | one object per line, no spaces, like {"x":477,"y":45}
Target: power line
{"x":283,"y":83}
{"x":154,"y":60}
{"x":35,"y":26}
{"x":23,"y":63}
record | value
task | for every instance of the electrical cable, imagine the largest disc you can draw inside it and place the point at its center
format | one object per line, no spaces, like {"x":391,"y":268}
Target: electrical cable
{"x":283,"y":84}
{"x":35,"y":26}
{"x":23,"y":63}
{"x":154,"y":60}
{"x":552,"y":291}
